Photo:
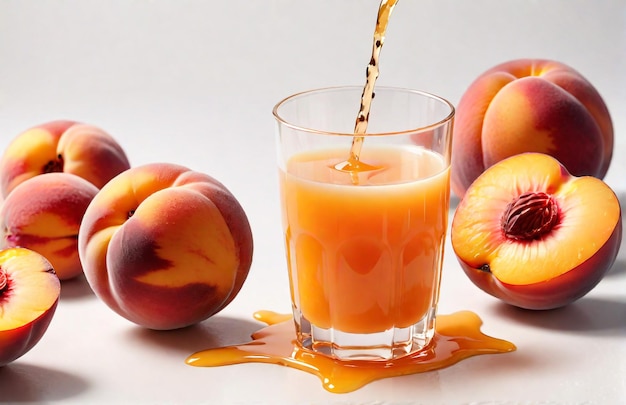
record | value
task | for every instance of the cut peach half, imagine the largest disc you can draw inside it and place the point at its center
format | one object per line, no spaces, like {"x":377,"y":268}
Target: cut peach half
{"x":29,"y":293}
{"x":535,"y":236}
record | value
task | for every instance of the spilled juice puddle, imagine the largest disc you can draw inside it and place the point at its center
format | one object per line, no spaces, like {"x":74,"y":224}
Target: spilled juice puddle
{"x":457,"y":337}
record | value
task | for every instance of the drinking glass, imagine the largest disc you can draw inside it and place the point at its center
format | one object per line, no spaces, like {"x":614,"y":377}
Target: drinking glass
{"x":364,"y":242}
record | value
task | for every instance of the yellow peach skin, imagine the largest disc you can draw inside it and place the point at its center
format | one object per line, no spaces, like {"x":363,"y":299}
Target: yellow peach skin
{"x":62,"y":146}
{"x":165,"y":246}
{"x":44,"y":214}
{"x":530,"y":105}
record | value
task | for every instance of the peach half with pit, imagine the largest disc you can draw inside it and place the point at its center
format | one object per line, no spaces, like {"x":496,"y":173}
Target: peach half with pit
{"x":44,"y":214}
{"x":29,"y":294}
{"x":165,"y":246}
{"x":62,"y":146}
{"x":533,"y":235}
{"x":530,"y":105}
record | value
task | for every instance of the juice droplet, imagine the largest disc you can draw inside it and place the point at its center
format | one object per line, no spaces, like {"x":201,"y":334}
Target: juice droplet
{"x":457,"y":337}
{"x":271,"y":317}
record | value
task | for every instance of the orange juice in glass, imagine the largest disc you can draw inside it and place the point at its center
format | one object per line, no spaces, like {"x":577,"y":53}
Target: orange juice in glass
{"x":364,"y":247}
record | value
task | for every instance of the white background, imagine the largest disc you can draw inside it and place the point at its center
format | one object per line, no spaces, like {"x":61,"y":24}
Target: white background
{"x":193,"y":82}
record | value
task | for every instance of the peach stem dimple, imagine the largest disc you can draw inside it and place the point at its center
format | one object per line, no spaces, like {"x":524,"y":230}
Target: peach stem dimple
{"x":530,"y":216}
{"x":54,"y":165}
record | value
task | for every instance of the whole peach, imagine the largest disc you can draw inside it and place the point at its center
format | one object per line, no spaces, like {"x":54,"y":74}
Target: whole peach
{"x":62,"y":146}
{"x":530,"y":105}
{"x":44,"y":214}
{"x":165,"y":246}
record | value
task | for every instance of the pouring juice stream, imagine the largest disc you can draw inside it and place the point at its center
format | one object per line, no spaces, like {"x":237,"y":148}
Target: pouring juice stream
{"x":354,"y":164}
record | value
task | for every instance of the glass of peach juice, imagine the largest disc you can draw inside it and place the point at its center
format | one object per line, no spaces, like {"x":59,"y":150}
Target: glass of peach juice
{"x":364,"y":237}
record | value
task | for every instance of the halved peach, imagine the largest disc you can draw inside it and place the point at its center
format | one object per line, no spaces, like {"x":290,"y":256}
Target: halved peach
{"x":535,"y":236}
{"x":29,"y":293}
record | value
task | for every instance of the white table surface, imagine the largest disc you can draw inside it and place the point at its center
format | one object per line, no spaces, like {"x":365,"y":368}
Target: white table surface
{"x":194,"y":81}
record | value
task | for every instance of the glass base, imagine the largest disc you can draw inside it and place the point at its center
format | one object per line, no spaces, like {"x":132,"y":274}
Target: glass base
{"x":386,"y":345}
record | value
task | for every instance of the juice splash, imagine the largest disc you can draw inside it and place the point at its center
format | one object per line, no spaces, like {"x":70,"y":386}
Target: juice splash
{"x":457,"y":337}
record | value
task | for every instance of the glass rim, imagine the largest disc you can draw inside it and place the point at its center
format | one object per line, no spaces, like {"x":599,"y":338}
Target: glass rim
{"x":423,"y":128}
